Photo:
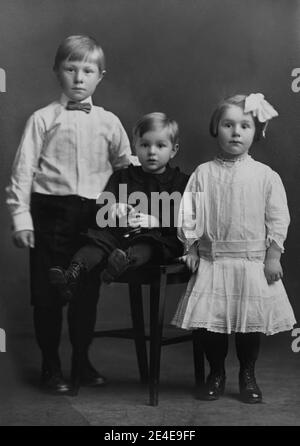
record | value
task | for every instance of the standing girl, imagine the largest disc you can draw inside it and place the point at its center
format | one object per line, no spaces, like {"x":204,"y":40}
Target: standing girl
{"x":234,"y":222}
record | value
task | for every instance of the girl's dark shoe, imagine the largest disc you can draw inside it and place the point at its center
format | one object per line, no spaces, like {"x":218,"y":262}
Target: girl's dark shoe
{"x":118,"y":262}
{"x":66,"y":281}
{"x":249,"y":391}
{"x":214,"y":387}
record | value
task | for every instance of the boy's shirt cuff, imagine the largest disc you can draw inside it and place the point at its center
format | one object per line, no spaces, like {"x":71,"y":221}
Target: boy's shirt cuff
{"x":22,"y":222}
{"x":134,"y":160}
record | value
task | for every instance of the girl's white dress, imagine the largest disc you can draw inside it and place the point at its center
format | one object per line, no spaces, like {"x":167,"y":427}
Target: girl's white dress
{"x":234,"y":210}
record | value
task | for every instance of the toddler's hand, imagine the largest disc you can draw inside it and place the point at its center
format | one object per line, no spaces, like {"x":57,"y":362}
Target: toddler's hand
{"x":120,"y":210}
{"x":136,"y":220}
{"x":24,"y":239}
{"x":273,"y":270}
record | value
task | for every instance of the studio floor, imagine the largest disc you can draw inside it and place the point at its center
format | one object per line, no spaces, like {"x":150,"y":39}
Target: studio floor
{"x":124,"y":402}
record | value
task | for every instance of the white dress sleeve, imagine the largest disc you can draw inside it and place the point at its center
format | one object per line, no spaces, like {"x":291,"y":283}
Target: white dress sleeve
{"x":277,"y":215}
{"x":18,"y":192}
{"x":191,"y":213}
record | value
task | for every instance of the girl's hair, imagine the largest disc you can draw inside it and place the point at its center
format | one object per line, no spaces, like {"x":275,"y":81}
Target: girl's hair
{"x":239,"y":100}
{"x":153,"y":121}
{"x":77,"y":48}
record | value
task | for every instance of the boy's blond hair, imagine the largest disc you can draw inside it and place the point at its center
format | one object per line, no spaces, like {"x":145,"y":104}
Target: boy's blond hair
{"x":77,"y":48}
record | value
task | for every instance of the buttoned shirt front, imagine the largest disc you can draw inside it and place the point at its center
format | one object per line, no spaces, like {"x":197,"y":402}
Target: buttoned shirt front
{"x":65,"y":152}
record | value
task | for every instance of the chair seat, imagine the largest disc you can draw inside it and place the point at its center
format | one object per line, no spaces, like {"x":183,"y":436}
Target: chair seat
{"x":175,"y":272}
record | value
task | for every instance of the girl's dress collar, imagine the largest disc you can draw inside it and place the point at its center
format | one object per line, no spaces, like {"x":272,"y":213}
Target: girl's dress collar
{"x":232,"y":162}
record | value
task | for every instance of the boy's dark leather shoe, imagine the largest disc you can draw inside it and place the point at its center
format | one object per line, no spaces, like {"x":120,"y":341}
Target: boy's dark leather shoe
{"x":92,"y":378}
{"x":55,"y":383}
{"x":214,"y":387}
{"x":66,"y":281}
{"x":249,"y":391}
{"x":118,"y":262}
{"x":88,"y":376}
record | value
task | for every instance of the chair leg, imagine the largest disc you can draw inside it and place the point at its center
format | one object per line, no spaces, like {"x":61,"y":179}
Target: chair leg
{"x":137,"y":316}
{"x":75,"y":380}
{"x":157,"y":309}
{"x":199,"y":363}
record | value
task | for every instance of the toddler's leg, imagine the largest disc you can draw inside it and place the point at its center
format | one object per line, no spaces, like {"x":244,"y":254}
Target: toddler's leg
{"x":119,"y":261}
{"x":247,"y":348}
{"x":216,"y":348}
{"x":89,"y":256}
{"x":67,"y":280}
{"x":140,"y":254}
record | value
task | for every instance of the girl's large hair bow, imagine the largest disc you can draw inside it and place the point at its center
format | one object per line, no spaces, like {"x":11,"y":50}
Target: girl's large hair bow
{"x":256,"y":104}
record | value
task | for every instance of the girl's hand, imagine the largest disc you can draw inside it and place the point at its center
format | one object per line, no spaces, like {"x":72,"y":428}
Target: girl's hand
{"x":192,"y":261}
{"x":273,"y":270}
{"x":192,"y":258}
{"x":139,"y":220}
{"x":24,"y":239}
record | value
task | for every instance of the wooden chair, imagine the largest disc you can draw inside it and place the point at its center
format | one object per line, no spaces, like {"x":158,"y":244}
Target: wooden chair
{"x":158,"y":278}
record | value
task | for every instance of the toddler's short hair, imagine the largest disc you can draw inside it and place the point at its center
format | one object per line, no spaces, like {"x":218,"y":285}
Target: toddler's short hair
{"x":239,"y":100}
{"x":152,"y":121}
{"x":75,"y":48}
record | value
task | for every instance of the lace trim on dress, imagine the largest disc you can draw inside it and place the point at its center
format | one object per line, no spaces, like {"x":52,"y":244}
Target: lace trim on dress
{"x":231,"y":162}
{"x":286,"y":326}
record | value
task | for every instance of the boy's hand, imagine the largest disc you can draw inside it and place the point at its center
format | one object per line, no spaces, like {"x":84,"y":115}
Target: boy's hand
{"x":24,"y":239}
{"x":136,"y":220}
{"x":120,"y":210}
{"x":273,"y":270}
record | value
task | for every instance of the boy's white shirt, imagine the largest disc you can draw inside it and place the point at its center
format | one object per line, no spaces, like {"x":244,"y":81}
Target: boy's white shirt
{"x":65,"y":152}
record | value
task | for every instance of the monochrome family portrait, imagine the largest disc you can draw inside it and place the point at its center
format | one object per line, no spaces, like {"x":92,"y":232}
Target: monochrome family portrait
{"x":149,"y":212}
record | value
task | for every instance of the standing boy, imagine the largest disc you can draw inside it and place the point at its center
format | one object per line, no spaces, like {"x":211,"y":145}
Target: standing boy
{"x":67,"y":153}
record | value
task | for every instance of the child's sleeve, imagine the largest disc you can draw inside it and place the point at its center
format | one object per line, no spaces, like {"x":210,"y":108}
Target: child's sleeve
{"x":120,"y":151}
{"x":18,"y":192}
{"x":277,"y":215}
{"x":113,"y":184}
{"x":111,"y":191}
{"x":191,"y":213}
{"x":108,"y":201}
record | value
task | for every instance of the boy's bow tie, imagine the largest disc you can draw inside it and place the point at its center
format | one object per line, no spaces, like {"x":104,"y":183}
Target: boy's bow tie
{"x":83,"y":106}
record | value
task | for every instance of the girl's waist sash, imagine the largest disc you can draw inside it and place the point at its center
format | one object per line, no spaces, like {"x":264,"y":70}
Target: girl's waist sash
{"x":233,"y":248}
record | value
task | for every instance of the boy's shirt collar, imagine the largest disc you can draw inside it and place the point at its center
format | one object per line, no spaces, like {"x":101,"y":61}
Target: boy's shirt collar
{"x":64,"y":100}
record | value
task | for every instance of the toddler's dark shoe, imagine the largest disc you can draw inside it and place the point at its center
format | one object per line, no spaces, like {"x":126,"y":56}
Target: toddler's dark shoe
{"x":66,"y":281}
{"x":118,"y":262}
{"x":214,"y":387}
{"x":249,"y":391}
